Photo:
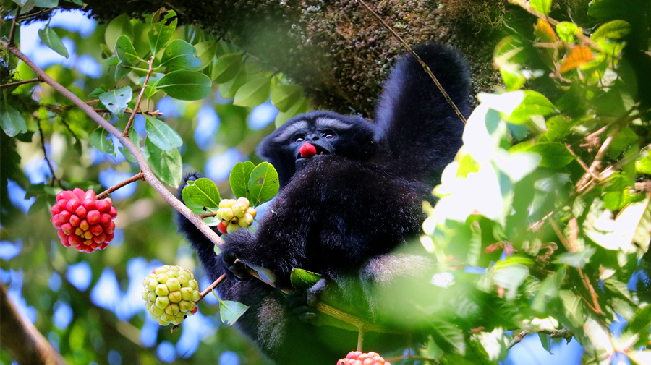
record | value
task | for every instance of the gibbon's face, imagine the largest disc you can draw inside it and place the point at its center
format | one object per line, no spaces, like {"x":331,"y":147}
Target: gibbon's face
{"x":313,"y":138}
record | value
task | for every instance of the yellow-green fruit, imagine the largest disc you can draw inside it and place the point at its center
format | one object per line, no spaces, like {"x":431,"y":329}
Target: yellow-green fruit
{"x":232,"y":228}
{"x":226,"y":203}
{"x":239,"y":208}
{"x":171,"y":293}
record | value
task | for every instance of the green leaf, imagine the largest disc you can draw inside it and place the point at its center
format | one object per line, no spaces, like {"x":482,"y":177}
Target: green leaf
{"x":230,"y":311}
{"x":610,"y":9}
{"x":558,"y":127}
{"x":541,"y":6}
{"x":206,"y":52}
{"x":46,"y":3}
{"x":643,"y":164}
{"x":125,"y":51}
{"x":616,"y":192}
{"x":202,"y":192}
{"x":52,"y":40}
{"x":11,"y":121}
{"x":167,"y":165}
{"x":566,"y":31}
{"x":254,"y":92}
{"x":451,"y":334}
{"x":508,"y":57}
{"x":532,"y":104}
{"x":161,"y":32}
{"x":303,"y":279}
{"x":135,"y":138}
{"x":101,"y":139}
{"x":624,"y":139}
{"x":239,"y":178}
{"x":554,"y":154}
{"x":116,"y":101}
{"x":161,"y":134}
{"x":576,"y":259}
{"x":263,"y":184}
{"x":285,"y":96}
{"x":573,"y":307}
{"x":510,"y":276}
{"x":116,"y":28}
{"x":299,"y":107}
{"x":187,"y":195}
{"x":614,"y":30}
{"x":227,"y":67}
{"x":180,"y":55}
{"x":185,"y":85}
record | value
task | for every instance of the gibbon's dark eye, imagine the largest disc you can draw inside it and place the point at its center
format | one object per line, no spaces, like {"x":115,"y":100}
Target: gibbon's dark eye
{"x":299,"y":139}
{"x":329,"y":134}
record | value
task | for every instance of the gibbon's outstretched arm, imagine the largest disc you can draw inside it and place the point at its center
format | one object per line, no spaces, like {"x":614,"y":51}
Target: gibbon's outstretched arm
{"x":422,"y":130}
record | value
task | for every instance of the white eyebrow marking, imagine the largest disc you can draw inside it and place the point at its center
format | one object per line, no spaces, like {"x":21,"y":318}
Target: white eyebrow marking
{"x":332,"y":123}
{"x":287,"y":133}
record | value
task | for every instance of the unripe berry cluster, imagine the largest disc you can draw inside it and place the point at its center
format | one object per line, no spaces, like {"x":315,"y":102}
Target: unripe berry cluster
{"x":235,"y":214}
{"x":171,"y":294}
{"x":82,"y":221}
{"x":360,"y":358}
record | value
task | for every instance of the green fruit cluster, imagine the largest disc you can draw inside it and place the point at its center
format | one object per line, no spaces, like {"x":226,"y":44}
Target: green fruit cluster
{"x":171,"y":294}
{"x":235,"y":214}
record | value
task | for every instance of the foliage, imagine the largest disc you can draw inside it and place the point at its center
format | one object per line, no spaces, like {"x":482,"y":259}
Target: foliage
{"x":541,"y":222}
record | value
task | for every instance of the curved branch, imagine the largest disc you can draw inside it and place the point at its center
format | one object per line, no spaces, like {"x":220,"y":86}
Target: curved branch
{"x":23,"y":341}
{"x":135,"y":151}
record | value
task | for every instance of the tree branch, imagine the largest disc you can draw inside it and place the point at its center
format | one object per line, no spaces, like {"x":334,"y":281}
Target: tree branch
{"x":21,"y":338}
{"x":135,"y":151}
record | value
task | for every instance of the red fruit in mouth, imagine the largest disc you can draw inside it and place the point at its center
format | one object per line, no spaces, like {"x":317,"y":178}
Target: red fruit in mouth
{"x":307,"y":150}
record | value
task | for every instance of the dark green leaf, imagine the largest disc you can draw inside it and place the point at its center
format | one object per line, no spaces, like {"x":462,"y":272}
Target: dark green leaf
{"x":46,"y":3}
{"x":624,"y":139}
{"x":11,"y":121}
{"x":185,"y":85}
{"x":125,"y":51}
{"x":161,"y":32}
{"x":299,"y":107}
{"x":101,"y":139}
{"x":52,"y":40}
{"x":230,"y":311}
{"x":254,"y":92}
{"x":227,"y":67}
{"x":303,"y":279}
{"x":180,"y":55}
{"x":641,"y":321}
{"x":116,"y":101}
{"x":609,"y":9}
{"x":167,"y":165}
{"x":161,"y":134}
{"x":263,"y":184}
{"x":239,"y":178}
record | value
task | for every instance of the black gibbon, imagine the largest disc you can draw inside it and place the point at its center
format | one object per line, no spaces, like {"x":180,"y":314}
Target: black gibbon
{"x":343,"y":209}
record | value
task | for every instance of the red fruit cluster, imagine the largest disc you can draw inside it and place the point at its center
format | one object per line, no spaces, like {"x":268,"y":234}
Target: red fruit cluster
{"x":82,"y":221}
{"x":360,"y":358}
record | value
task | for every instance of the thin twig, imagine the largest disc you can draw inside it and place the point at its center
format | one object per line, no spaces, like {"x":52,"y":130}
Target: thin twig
{"x":60,"y":108}
{"x":18,"y":83}
{"x":425,"y":67}
{"x":207,"y":215}
{"x":135,"y":151}
{"x":125,"y":133}
{"x":560,"y":235}
{"x":134,"y":178}
{"x":12,"y":32}
{"x":578,"y":159}
{"x":211,"y":287}
{"x":49,"y":164}
{"x":31,"y":15}
{"x":586,"y":282}
{"x":69,"y":129}
{"x":564,"y":333}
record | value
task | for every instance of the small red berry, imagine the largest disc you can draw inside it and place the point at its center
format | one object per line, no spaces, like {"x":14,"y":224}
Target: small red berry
{"x":307,"y":150}
{"x":221,"y":227}
{"x":82,"y":221}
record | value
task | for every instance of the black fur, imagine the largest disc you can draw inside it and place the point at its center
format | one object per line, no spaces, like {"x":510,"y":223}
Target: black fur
{"x":343,"y":212}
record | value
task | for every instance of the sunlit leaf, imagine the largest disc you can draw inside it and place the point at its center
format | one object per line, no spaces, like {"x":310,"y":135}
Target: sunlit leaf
{"x":227,"y":67}
{"x":303,"y":279}
{"x":125,"y":51}
{"x":541,"y":6}
{"x":576,"y":259}
{"x":579,"y":56}
{"x":566,"y":31}
{"x":284,"y":97}
{"x":202,"y":192}
{"x":614,"y":30}
{"x":299,"y":107}
{"x":162,"y":31}
{"x":206,"y":52}
{"x":101,"y":139}
{"x":167,"y":165}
